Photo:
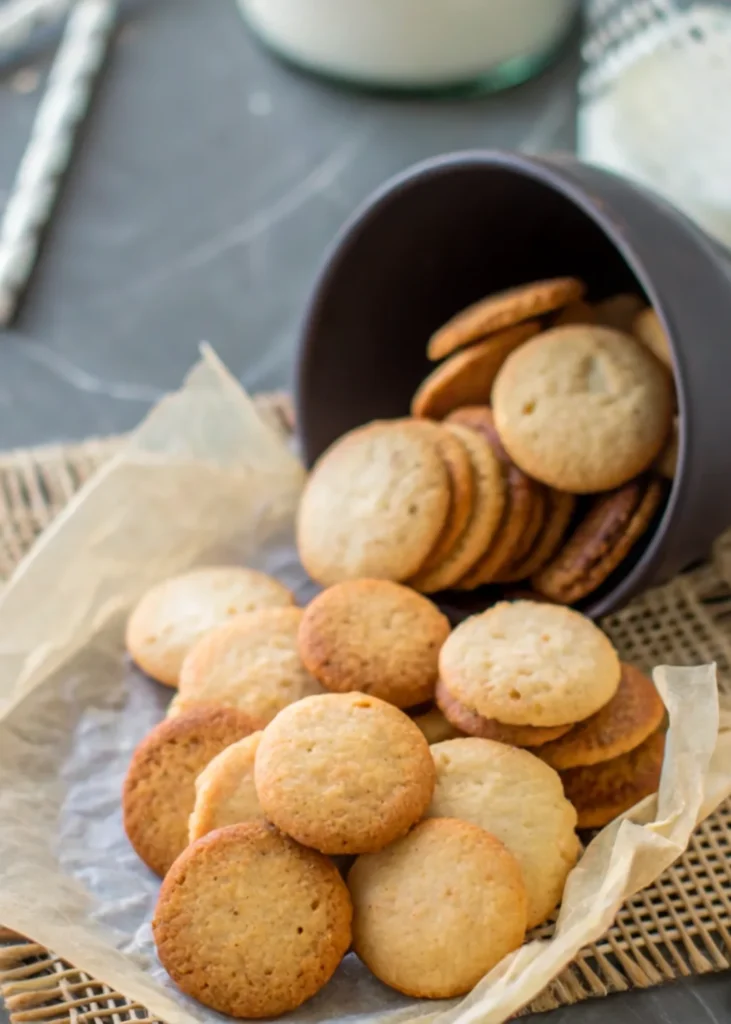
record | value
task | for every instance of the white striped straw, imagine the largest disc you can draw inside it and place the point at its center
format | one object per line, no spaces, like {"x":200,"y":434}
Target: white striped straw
{"x":63,"y":106}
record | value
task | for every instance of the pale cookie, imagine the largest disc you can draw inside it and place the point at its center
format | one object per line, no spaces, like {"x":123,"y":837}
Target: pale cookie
{"x":634,"y":713}
{"x":647,"y":327}
{"x":487,"y":511}
{"x":517,"y":798}
{"x":470,"y":723}
{"x":343,"y":772}
{"x":437,"y":910}
{"x":251,"y":924}
{"x":583,"y":409}
{"x":466,"y":378}
{"x":225,"y":793}
{"x":174,"y":614}
{"x":461,"y":489}
{"x":602,"y":791}
{"x":435,"y":726}
{"x":374,"y":636}
{"x":374,"y":505}
{"x":520,"y":492}
{"x":159,"y":788}
{"x":252,"y":663}
{"x":503,"y":309}
{"x":526,"y":663}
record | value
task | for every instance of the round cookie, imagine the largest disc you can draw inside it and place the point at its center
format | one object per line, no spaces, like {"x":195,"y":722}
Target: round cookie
{"x":437,"y":910}
{"x":503,"y":309}
{"x":487,"y":511}
{"x":251,"y":924}
{"x":376,"y":637}
{"x":466,"y":377}
{"x":558,"y":513}
{"x":171,"y":616}
{"x":647,"y":327}
{"x":579,"y":312}
{"x":159,"y":788}
{"x":520,"y":492}
{"x":528,"y":539}
{"x":374,"y":505}
{"x":435,"y":726}
{"x":526,"y":663}
{"x":343,"y":772}
{"x":251,"y":663}
{"x":225,"y":793}
{"x":510,"y":794}
{"x":601,"y":792}
{"x":634,"y":713}
{"x":470,"y":723}
{"x":601,"y":541}
{"x":583,"y":408}
{"x":461,"y":488}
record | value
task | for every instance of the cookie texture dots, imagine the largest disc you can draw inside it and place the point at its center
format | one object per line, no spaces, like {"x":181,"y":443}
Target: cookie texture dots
{"x":343,"y":772}
{"x":437,"y":910}
{"x":159,"y":789}
{"x":519,"y":799}
{"x":250,"y":923}
{"x":174,"y":614}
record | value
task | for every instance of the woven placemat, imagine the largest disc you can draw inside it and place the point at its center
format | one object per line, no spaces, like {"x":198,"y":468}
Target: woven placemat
{"x":678,"y":927}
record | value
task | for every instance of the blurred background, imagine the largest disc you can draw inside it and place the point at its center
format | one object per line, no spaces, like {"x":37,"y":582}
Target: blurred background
{"x":210,"y":172}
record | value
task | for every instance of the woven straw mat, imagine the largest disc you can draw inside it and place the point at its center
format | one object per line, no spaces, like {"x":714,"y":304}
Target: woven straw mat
{"x":680,"y":926}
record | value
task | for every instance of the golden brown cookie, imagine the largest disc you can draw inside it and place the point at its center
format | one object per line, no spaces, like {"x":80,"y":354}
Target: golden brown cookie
{"x":461,"y":492}
{"x":647,"y":327}
{"x":558,"y":513}
{"x":437,"y":910}
{"x":602,"y":791}
{"x":251,"y":663}
{"x":634,"y":713}
{"x":503,"y":309}
{"x":520,"y":491}
{"x":509,"y":793}
{"x":601,"y":541}
{"x":374,"y":505}
{"x":224,"y":791}
{"x":487,"y":510}
{"x":434,"y":725}
{"x":513,"y":570}
{"x":619,"y":311}
{"x":526,"y":663}
{"x":666,"y":463}
{"x":343,"y":772}
{"x":159,"y":789}
{"x":469,"y":722}
{"x":376,"y":637}
{"x":466,"y":377}
{"x":171,"y":616}
{"x":251,"y":924}
{"x":579,"y":312}
{"x":582,"y":408}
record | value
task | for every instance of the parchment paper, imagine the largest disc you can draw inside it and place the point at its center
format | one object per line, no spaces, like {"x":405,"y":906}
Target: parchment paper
{"x":203,"y":480}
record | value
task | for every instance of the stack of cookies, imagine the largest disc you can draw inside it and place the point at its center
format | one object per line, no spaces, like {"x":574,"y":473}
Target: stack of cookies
{"x":545,"y":678}
{"x":295,"y":809}
{"x":535,"y":454}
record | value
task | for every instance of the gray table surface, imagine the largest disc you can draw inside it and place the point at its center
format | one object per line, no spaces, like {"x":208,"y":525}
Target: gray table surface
{"x":208,"y":182}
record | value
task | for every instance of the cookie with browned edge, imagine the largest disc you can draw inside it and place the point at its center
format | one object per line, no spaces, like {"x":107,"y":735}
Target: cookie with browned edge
{"x":634,"y":713}
{"x":601,"y":792}
{"x":614,"y":523}
{"x":343,"y":772}
{"x":466,"y":377}
{"x":462,"y":485}
{"x":503,"y":309}
{"x":159,"y":788}
{"x":468,"y":721}
{"x":250,"y":923}
{"x":559,"y":508}
{"x":374,"y":636}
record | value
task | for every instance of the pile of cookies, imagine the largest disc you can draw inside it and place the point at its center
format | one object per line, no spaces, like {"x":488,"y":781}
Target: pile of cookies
{"x":535,"y":454}
{"x":295,"y":809}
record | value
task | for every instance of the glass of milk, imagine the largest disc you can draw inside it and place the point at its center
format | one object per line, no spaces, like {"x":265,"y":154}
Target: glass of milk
{"x":419,"y":45}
